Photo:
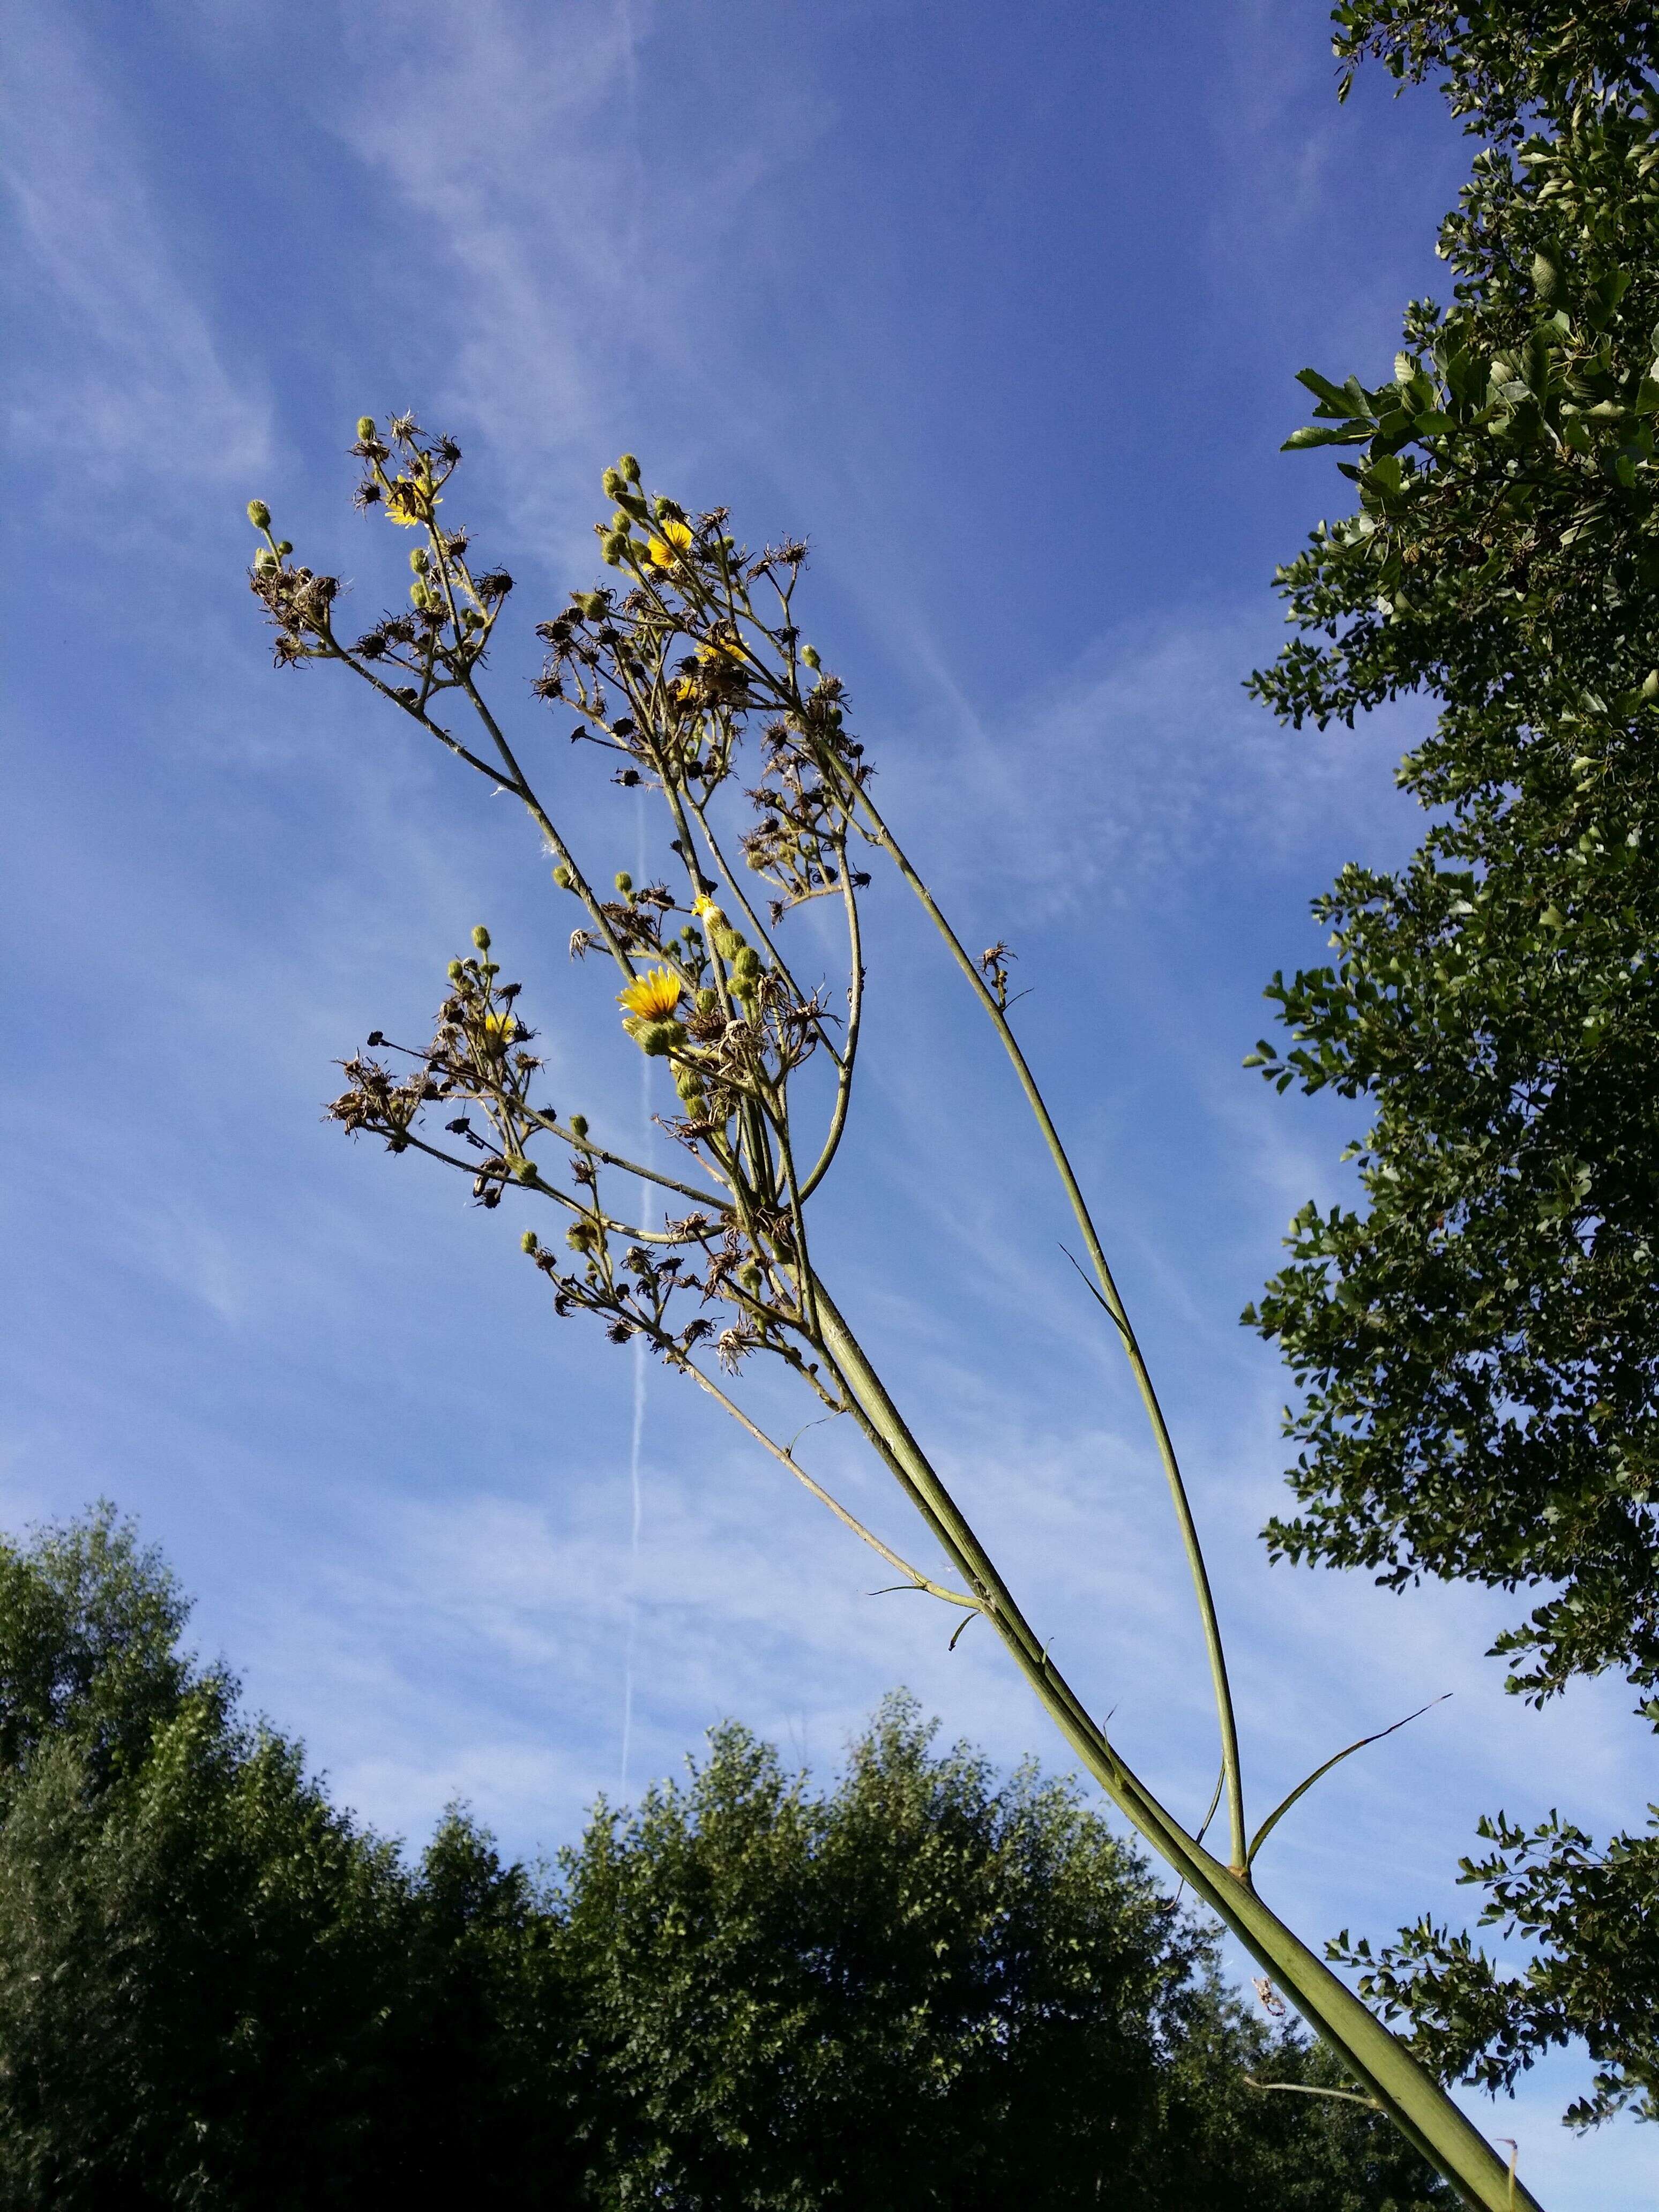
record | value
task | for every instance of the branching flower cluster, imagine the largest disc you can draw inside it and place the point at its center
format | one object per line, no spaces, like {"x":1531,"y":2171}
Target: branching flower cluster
{"x":689,"y":671}
{"x":667,"y":675}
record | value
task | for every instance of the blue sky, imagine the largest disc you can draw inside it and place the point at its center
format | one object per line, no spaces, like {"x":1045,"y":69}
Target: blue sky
{"x":1003,"y":310}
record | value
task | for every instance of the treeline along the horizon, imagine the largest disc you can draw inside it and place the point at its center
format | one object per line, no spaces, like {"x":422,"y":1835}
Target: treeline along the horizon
{"x":926,"y":1984}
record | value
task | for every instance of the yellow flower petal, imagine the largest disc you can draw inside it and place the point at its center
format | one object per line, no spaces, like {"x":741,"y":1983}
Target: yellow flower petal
{"x":666,"y":549}
{"x":653,"y":997}
{"x":409,"y":504}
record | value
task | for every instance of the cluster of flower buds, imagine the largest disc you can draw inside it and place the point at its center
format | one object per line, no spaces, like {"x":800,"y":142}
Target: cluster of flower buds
{"x":439,"y":642}
{"x":477,"y":1059}
{"x":677,"y":716}
{"x":664,"y":669}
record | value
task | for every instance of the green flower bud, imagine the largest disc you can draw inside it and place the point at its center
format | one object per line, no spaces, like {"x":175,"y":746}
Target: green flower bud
{"x":611,"y":483}
{"x":525,"y":1170}
{"x":455,"y":971}
{"x":265,"y":561}
{"x":365,"y":426}
{"x":285,"y":546}
{"x":418,"y":593}
{"x":258,"y":514}
{"x":659,"y":1038}
{"x":578,"y":1125}
{"x":613,"y":549}
{"x":529,"y":1241}
{"x":749,"y":1275}
{"x":481,"y":938}
{"x":562,"y":877}
{"x":580,"y":1236}
{"x":746,"y":967}
{"x":630,"y":468}
{"x":728,"y":943}
{"x":418,"y":559}
{"x":707,"y":1001}
{"x":809,"y":653}
{"x":621,"y":521}
{"x":625,"y":881}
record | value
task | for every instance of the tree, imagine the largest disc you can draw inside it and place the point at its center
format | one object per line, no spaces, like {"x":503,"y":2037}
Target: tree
{"x":1477,"y":1343}
{"x":214,"y":1989}
{"x":670,"y":675}
{"x":923,"y":1988}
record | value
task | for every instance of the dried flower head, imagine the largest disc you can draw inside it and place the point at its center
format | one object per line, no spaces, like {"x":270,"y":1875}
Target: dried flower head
{"x":409,"y":503}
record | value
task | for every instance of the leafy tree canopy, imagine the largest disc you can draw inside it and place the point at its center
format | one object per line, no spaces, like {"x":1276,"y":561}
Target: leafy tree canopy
{"x":1592,"y":1918}
{"x":923,"y":1987}
{"x":216,"y":1991}
{"x":1477,"y":1342}
{"x":1505,"y":63}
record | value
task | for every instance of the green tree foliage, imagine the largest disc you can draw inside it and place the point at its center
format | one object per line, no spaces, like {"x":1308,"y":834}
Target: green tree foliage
{"x":216,"y":1989}
{"x":922,"y":1989}
{"x":1594,"y":1918}
{"x":1477,"y":1343}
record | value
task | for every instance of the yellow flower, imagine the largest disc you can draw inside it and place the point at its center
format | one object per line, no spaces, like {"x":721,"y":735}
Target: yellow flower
{"x":498,"y":1029}
{"x":653,"y":997}
{"x":667,"y":549}
{"x":705,"y":909}
{"x":410,"y":504}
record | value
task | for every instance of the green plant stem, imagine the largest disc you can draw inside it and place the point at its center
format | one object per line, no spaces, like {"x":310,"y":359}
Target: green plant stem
{"x":543,"y":821}
{"x":854,"y":1019}
{"x":1112,"y":1300}
{"x":741,"y":900}
{"x":915,"y":1578}
{"x":1416,"y":2103}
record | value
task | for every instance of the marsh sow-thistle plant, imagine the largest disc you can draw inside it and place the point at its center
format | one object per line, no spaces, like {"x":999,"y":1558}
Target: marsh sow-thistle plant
{"x":689,"y":673}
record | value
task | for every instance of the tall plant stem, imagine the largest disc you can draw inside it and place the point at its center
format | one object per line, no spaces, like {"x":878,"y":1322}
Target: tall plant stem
{"x":1111,"y":1299}
{"x":1416,"y":2103}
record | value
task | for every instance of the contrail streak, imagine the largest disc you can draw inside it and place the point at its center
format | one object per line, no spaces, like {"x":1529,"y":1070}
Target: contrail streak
{"x":635,"y":1503}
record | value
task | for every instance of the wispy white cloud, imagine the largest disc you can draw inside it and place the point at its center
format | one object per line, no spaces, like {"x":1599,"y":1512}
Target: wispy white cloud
{"x":1146,"y":761}
{"x":126,"y":378}
{"x":580,"y":258}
